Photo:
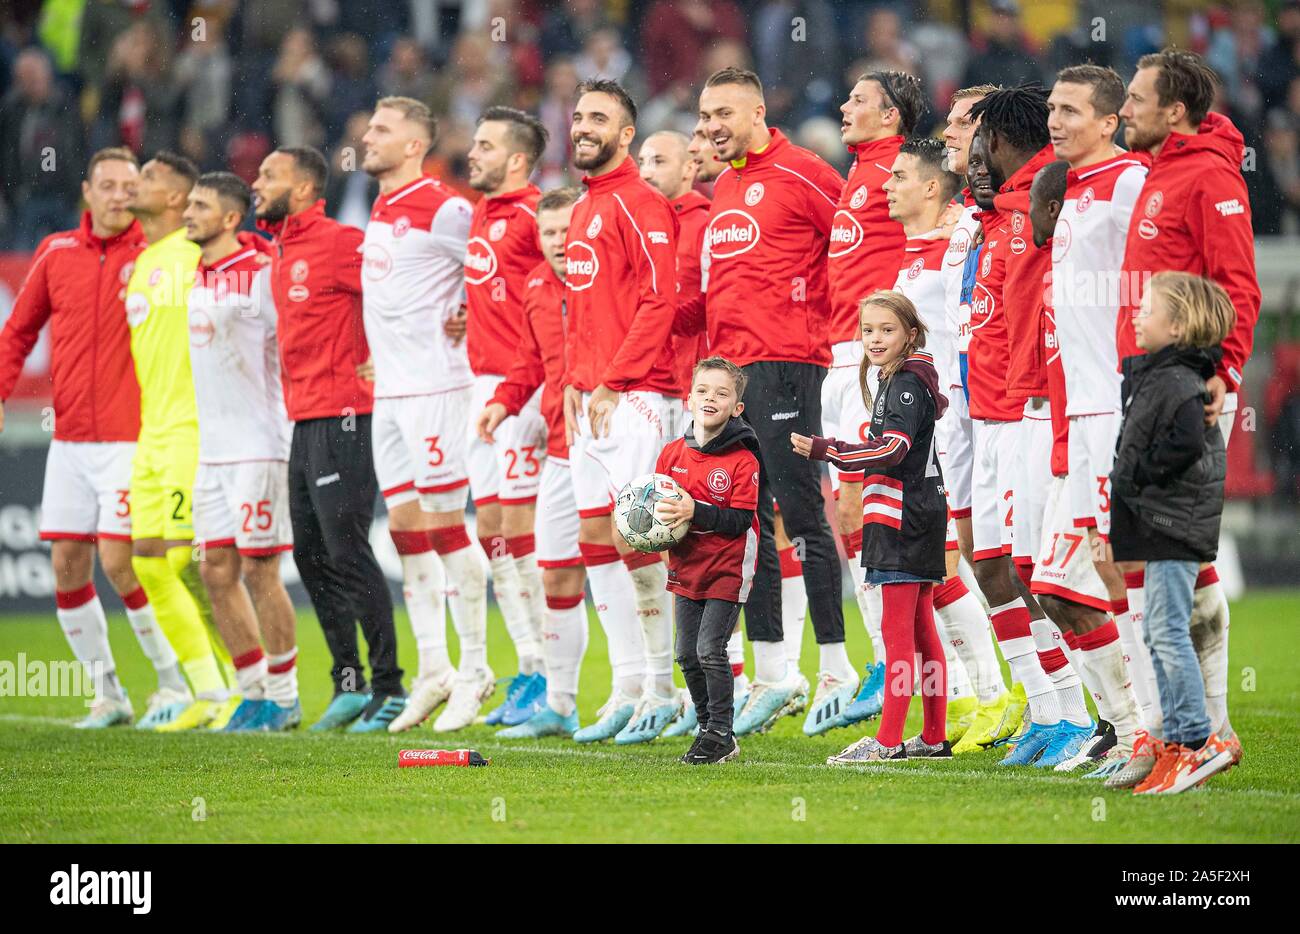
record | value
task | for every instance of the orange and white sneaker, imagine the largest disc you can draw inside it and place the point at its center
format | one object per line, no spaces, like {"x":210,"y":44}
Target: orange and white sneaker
{"x":1196,"y":766}
{"x":1233,"y":742}
{"x":1137,"y":764}
{"x":1166,"y":756}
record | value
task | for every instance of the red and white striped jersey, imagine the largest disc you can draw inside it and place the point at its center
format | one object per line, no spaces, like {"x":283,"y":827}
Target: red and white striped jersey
{"x":236,"y":362}
{"x":960,"y":245}
{"x":412,"y":281}
{"x":1087,"y":283}
{"x":921,"y":280}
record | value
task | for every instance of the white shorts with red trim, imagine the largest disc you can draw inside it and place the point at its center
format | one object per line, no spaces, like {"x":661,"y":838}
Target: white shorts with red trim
{"x":1032,"y":475}
{"x":419,"y":448}
{"x":1064,"y":565}
{"x":603,"y":466}
{"x":243,"y":505}
{"x":87,"y":491}
{"x":510,"y":470}
{"x":953,"y":435}
{"x":557,"y":517}
{"x":995,"y":447}
{"x":844,"y":415}
{"x":1092,"y":455}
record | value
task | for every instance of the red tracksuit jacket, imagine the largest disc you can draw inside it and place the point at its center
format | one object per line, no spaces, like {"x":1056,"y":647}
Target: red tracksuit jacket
{"x":866,"y":248}
{"x":77,"y":282}
{"x":692,"y":211}
{"x":1194,"y":216}
{"x":501,"y":252}
{"x":540,"y":356}
{"x":768,"y":236}
{"x":621,"y":285}
{"x":316,"y":282}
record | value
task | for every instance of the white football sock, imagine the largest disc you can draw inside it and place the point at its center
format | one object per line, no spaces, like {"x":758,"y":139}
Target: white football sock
{"x":86,"y":629}
{"x":1106,"y":675}
{"x":1209,"y":630}
{"x":1069,"y":689}
{"x":1137,"y":658}
{"x":794,"y":614}
{"x":564,"y":642}
{"x":424,"y":588}
{"x":959,"y":683}
{"x":533,"y":597}
{"x":965,"y":626}
{"x":871,"y":603}
{"x":615,"y":600}
{"x":736,"y":648}
{"x":654,"y":609}
{"x":509,"y":592}
{"x":251,"y":679}
{"x":154,"y":644}
{"x":833,"y":659}
{"x":770,"y":664}
{"x":467,"y":597}
{"x":282,"y":677}
{"x":1022,"y":658}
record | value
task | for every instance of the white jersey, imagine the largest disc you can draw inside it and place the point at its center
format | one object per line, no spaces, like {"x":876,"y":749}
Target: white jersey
{"x":960,"y":244}
{"x":921,"y":279}
{"x":1087,"y":283}
{"x":412,"y":281}
{"x":236,"y":363}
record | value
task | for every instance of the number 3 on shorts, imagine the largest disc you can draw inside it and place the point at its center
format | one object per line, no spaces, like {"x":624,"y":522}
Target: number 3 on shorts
{"x":436,"y":456}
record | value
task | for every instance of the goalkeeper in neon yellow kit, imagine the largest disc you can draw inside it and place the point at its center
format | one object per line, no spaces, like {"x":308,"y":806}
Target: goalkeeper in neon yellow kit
{"x":167,"y":452}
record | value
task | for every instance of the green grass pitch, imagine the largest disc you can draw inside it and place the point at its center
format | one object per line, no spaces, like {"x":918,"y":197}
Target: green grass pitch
{"x":57,"y":784}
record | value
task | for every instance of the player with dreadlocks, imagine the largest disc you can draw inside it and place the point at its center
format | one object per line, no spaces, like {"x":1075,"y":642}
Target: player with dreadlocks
{"x":1009,"y":148}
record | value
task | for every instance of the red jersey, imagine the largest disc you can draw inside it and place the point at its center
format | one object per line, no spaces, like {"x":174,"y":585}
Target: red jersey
{"x":866,"y":248}
{"x":1056,"y":395}
{"x":1193,"y":215}
{"x":620,"y":285}
{"x":1028,"y":277}
{"x":77,"y":282}
{"x":768,"y":236}
{"x":692,"y":211}
{"x":501,"y":252}
{"x":316,"y":284}
{"x":708,"y":565}
{"x":539,"y":358}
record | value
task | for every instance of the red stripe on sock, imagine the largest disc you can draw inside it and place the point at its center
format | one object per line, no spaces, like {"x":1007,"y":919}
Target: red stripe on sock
{"x":411,"y":542}
{"x":1099,"y":638}
{"x":791,"y":566}
{"x":641,"y":559}
{"x":1052,"y":661}
{"x":1119,"y":606}
{"x":1025,"y":568}
{"x":1012,"y":623}
{"x":449,"y":539}
{"x":563,"y":603}
{"x":1207,"y":577}
{"x":737,"y":669}
{"x":847,"y":542}
{"x":596,"y":555}
{"x":949,"y":592}
{"x":1135,"y":580}
{"x":249,"y":658}
{"x":283,"y":667}
{"x":136,"y":599}
{"x":521,"y":546}
{"x":1071,"y":640}
{"x":71,"y":599}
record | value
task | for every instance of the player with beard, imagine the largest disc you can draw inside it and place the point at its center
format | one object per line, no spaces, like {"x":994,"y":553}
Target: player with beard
{"x":413,"y":283}
{"x":85,"y":504}
{"x":241,"y":490}
{"x":620,"y":292}
{"x":865,"y":254}
{"x":315,"y":281}
{"x":768,"y":310}
{"x":1195,"y":217}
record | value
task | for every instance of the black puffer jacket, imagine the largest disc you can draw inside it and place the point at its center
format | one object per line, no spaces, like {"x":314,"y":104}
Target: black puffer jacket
{"x":1167,"y":483}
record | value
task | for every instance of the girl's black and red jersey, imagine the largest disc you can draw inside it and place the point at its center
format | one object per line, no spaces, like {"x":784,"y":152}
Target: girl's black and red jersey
{"x":716,"y":559}
{"x":904,"y":506}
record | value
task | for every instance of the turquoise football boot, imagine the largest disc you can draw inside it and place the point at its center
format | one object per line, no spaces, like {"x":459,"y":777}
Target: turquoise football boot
{"x":343,"y":709}
{"x":545,"y":723}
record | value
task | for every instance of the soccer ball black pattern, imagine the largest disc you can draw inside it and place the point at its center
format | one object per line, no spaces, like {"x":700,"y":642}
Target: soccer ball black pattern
{"x":635,"y":517}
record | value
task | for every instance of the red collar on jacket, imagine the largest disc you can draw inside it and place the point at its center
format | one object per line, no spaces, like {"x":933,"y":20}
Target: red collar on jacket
{"x":510,"y":197}
{"x":1216,"y":135}
{"x":295,"y":224}
{"x":691,"y":201}
{"x":1023,"y":177}
{"x":626,"y":172}
{"x":874,"y":149}
{"x":86,"y":232}
{"x":776,"y":146}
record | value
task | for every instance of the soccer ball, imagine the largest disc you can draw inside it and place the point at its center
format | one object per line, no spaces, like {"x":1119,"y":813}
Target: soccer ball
{"x":634,"y":513}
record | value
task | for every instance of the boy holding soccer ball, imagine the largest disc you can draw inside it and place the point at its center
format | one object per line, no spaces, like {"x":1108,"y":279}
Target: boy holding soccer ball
{"x":716,"y":466}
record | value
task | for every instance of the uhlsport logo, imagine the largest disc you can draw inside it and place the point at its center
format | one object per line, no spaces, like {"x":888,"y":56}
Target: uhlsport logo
{"x":719,"y":480}
{"x":580,"y":266}
{"x":103,"y":887}
{"x":480,"y":261}
{"x":731,"y":233}
{"x":846,"y":234}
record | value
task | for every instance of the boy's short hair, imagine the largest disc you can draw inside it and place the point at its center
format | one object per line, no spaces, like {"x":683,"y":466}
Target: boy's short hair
{"x":722,"y":363}
{"x":558,"y":198}
{"x":1200,"y":305}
